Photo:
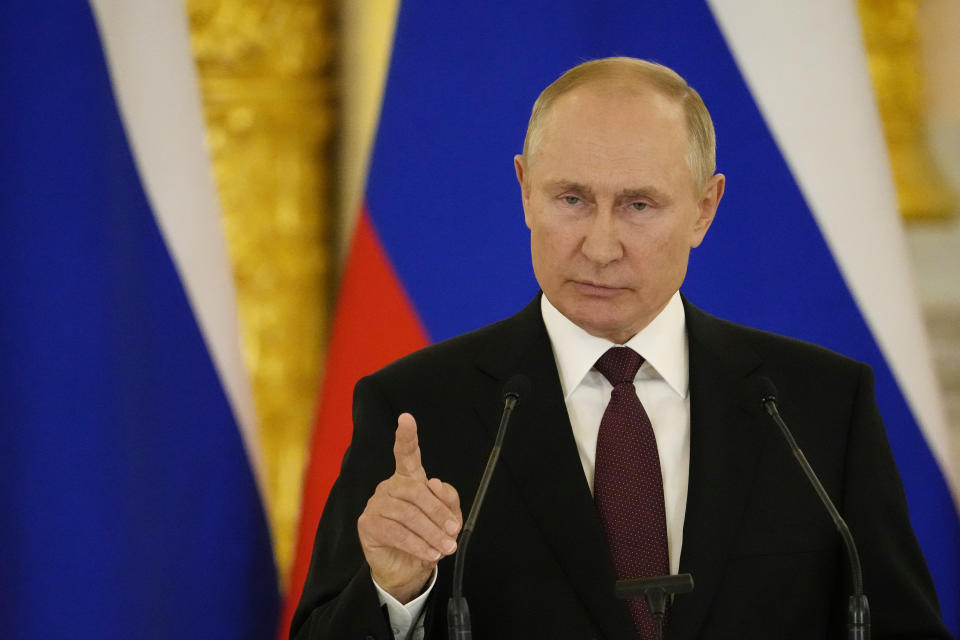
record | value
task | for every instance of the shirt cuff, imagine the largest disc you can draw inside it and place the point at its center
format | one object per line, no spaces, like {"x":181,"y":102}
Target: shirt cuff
{"x":402,"y":616}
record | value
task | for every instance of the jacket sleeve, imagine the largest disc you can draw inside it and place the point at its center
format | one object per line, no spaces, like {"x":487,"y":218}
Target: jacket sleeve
{"x":339,"y":600}
{"x":902,"y":598}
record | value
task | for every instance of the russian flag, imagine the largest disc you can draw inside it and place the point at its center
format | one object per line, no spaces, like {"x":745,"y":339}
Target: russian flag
{"x":129,"y":503}
{"x":807,"y":241}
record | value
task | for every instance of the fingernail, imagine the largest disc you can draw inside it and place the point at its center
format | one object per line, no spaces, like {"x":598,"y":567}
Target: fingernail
{"x":450,"y":546}
{"x":435,"y":555}
{"x":452,"y":526}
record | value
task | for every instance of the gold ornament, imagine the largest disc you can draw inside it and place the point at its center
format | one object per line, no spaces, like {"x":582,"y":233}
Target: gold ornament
{"x":267,"y":81}
{"x":892,"y":40}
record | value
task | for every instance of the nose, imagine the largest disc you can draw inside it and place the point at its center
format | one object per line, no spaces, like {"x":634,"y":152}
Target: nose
{"x":601,"y":244}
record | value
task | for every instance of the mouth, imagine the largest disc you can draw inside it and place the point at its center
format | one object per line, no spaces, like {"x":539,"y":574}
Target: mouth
{"x":596,"y":289}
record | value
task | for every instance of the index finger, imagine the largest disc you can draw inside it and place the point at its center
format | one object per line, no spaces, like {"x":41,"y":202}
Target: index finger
{"x":406,"y":449}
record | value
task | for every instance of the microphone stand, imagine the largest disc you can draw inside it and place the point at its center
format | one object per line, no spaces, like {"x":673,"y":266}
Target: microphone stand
{"x":458,"y":612}
{"x":655,"y":591}
{"x":858,"y":608}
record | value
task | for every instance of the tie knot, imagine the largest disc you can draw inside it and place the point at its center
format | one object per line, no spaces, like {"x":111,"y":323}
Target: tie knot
{"x":619,"y":365}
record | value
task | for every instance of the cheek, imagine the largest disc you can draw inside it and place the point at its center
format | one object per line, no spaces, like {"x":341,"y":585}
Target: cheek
{"x":552,"y":252}
{"x":651,"y":244}
{"x":551,"y":234}
{"x":673,"y":238}
{"x":527,"y":218}
{"x":674,"y":253}
{"x":542,"y":247}
{"x":660,"y":250}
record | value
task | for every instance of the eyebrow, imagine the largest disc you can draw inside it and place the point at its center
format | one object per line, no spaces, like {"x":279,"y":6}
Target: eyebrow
{"x":568,"y":185}
{"x":626,"y":194}
{"x":643,"y":192}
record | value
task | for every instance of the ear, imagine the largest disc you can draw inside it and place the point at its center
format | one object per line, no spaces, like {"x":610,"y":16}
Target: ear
{"x":520,"y":166}
{"x":707,"y":207}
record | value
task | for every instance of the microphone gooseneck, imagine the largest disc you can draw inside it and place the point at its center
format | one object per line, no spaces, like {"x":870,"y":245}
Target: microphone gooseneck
{"x":858,"y":612}
{"x":458,"y":613}
{"x":656,"y":590}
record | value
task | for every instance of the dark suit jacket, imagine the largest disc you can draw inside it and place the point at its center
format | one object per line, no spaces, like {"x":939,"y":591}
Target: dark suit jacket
{"x":765,"y":557}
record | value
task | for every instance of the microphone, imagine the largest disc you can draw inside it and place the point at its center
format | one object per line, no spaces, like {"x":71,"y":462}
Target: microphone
{"x":858,"y":609}
{"x":458,"y":613}
{"x":655,"y":590}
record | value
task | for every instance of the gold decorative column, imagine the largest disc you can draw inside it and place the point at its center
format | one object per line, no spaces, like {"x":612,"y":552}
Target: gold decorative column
{"x":268,"y":81}
{"x":892,"y":41}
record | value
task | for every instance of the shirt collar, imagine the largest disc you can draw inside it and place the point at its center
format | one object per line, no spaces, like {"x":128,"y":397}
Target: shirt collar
{"x":662,"y":343}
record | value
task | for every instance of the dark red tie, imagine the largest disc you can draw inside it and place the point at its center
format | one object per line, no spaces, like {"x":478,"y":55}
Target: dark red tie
{"x":627,"y":485}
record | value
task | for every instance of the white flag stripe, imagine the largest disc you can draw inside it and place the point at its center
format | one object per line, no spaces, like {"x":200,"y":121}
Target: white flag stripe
{"x":154,"y":80}
{"x":806,"y":67}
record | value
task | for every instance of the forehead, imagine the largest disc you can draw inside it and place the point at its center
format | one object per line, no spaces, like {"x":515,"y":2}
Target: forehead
{"x":611,"y":127}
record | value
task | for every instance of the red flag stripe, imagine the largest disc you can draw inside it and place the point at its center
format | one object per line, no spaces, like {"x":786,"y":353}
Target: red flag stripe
{"x":374,"y":324}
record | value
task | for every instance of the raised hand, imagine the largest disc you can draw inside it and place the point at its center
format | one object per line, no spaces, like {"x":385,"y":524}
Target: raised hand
{"x":410,"y":522}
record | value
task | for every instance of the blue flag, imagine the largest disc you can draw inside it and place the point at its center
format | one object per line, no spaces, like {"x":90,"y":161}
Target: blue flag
{"x":129,"y":505}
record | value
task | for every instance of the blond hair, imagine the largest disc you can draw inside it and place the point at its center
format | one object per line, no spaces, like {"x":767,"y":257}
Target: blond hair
{"x":701,"y":154}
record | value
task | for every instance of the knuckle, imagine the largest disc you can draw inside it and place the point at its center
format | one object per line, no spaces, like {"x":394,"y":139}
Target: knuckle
{"x":420,"y":490}
{"x":400,"y":489}
{"x":405,"y":540}
{"x":392,"y":534}
{"x":395,"y":533}
{"x":451,"y":494}
{"x":410,"y":490}
{"x":384,"y":488}
{"x":415,"y":521}
{"x":370,"y":530}
{"x":368,"y":510}
{"x":439,"y":512}
{"x":399,"y":511}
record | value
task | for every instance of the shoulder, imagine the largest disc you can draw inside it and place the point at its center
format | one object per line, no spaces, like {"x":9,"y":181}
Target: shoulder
{"x":443,"y":362}
{"x":445,"y":384}
{"x":797,"y":368}
{"x":714,"y":333}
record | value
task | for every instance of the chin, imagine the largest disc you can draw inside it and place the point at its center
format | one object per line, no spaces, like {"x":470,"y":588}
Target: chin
{"x":600,"y":323}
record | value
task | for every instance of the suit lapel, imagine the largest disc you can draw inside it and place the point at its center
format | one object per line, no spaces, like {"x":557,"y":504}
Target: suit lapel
{"x":541,"y":456}
{"x":727,"y":434}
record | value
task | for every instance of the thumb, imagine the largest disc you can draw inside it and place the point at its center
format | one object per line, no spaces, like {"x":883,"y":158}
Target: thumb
{"x":406,"y":449}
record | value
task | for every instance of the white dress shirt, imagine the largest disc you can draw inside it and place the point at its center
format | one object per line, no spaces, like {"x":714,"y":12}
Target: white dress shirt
{"x":403,"y":616}
{"x":662,"y":384}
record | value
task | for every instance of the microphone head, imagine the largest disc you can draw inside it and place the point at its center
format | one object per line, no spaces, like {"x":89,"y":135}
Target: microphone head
{"x":768,"y":392}
{"x":516,"y":386}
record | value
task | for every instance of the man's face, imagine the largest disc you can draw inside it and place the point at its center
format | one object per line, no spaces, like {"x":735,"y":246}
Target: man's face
{"x":612,"y":207}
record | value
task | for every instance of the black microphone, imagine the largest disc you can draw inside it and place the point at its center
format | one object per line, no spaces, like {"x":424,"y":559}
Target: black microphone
{"x":655,"y":590}
{"x":858,"y":610}
{"x":458,"y":613}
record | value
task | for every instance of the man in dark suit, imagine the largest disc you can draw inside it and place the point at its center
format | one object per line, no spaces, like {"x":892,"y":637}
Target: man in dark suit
{"x":618,"y":184}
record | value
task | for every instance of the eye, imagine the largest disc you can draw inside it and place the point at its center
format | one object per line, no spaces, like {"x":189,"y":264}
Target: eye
{"x":638,"y":206}
{"x":571,"y":200}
